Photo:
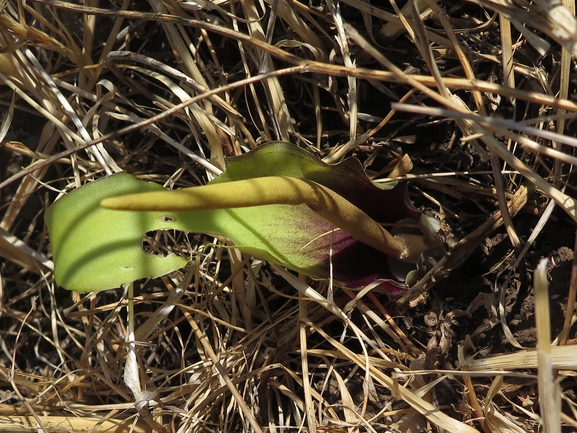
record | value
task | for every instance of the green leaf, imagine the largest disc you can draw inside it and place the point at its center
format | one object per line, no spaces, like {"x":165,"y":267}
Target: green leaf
{"x":278,"y":203}
{"x":98,"y":249}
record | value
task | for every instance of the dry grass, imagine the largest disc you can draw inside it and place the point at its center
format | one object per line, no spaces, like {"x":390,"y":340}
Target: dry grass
{"x":480,"y":96}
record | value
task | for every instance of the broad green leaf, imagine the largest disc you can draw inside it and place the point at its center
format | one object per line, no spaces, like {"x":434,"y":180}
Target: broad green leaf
{"x":257,"y":203}
{"x":97,"y":249}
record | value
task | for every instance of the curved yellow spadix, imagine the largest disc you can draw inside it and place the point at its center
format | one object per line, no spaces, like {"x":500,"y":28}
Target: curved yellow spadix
{"x":270,"y":190}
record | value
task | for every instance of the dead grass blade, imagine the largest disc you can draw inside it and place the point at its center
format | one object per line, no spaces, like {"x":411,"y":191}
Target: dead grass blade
{"x":550,"y":401}
{"x":549,"y":16}
{"x":17,"y":251}
{"x":21,"y":424}
{"x":417,"y":403}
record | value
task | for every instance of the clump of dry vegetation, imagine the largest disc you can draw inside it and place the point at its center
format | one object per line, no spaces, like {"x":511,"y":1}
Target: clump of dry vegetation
{"x":469,"y":101}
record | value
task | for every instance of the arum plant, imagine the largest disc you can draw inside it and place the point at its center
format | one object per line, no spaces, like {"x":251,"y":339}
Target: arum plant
{"x":278,"y":203}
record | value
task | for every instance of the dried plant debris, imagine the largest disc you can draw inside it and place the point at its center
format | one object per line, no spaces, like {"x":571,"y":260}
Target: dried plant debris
{"x":471,"y":103}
